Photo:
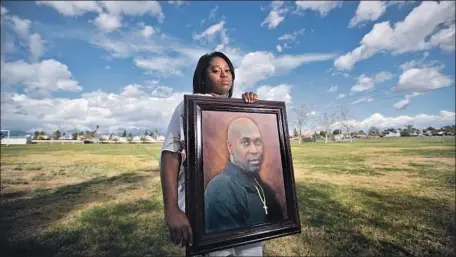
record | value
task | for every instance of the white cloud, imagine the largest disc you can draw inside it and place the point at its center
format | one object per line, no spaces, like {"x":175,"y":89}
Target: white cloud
{"x":405,"y":36}
{"x":46,"y":76}
{"x":132,"y":91}
{"x":109,"y":12}
{"x":36,"y":46}
{"x":418,"y":121}
{"x":333,"y":89}
{"x":108,"y":22}
{"x":322,"y":7}
{"x":134,"y":8}
{"x":406,"y":101}
{"x":161,"y":65}
{"x":277,"y":93}
{"x":72,"y":8}
{"x":366,"y":83}
{"x":21,"y":26}
{"x":340,"y":96}
{"x":178,"y":3}
{"x":292,"y":36}
{"x":365,"y":99}
{"x":107,"y":67}
{"x":368,"y":11}
{"x":3,"y":11}
{"x":279,"y":48}
{"x":210,"y":32}
{"x":147,"y":31}
{"x":444,"y":39}
{"x":257,"y":66}
{"x":422,"y":80}
{"x":276,"y":15}
{"x":161,"y":91}
{"x":213,"y":12}
{"x":111,"y":111}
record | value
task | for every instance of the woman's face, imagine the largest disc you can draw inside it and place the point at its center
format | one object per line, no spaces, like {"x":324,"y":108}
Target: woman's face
{"x":219,"y":76}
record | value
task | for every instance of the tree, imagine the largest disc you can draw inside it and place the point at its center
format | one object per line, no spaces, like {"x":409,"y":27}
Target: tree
{"x":344,"y":114}
{"x":373,"y":131}
{"x":303,"y":117}
{"x":130,"y":137}
{"x":36,"y":135}
{"x":326,"y":121}
{"x":145,"y":133}
{"x":295,"y":132}
{"x":57,"y":134}
{"x":337,"y":132}
{"x":74,"y":136}
{"x":124,"y":134}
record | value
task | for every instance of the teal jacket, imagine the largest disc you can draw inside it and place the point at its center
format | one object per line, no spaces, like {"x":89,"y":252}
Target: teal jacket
{"x":232,"y":201}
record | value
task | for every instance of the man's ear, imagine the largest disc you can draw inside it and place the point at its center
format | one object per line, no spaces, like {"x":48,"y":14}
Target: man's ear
{"x":228,"y":146}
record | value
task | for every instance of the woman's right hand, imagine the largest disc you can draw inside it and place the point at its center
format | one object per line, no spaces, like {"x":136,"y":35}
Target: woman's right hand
{"x":179,"y":227}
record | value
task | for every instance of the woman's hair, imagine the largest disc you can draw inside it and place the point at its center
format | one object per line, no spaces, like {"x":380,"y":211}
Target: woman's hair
{"x":199,"y":87}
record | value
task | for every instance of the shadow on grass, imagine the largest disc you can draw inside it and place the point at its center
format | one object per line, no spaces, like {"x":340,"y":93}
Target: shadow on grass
{"x":382,"y":224}
{"x":23,"y":219}
{"x":131,"y":229}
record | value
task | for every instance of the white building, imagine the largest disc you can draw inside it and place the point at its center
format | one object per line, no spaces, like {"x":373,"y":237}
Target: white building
{"x":393,"y":134}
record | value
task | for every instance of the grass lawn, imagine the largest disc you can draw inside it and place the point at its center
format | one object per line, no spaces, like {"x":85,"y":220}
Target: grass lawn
{"x":355,"y":199}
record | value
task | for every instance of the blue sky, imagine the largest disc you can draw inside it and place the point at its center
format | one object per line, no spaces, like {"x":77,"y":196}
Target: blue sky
{"x":73,"y":65}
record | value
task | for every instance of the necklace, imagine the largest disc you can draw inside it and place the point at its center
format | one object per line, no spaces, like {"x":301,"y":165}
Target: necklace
{"x":262,"y":197}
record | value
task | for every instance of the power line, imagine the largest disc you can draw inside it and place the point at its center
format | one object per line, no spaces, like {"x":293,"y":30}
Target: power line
{"x":322,"y":107}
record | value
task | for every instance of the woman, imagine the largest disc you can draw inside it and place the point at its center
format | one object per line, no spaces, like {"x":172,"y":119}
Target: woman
{"x":214,"y":76}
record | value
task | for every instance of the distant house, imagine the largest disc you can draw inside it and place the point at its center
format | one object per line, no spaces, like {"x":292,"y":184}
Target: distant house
{"x":392,"y":134}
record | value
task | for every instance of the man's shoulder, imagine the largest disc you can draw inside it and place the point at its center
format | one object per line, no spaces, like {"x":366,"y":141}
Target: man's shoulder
{"x":222,"y":183}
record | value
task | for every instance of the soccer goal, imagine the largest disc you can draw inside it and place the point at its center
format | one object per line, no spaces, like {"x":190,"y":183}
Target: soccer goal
{"x":8,"y":133}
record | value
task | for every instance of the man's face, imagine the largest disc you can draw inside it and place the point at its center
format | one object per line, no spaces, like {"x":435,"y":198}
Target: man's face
{"x":246,"y":145}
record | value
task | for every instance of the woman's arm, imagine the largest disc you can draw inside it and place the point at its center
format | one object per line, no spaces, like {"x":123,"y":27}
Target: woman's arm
{"x":176,"y":220}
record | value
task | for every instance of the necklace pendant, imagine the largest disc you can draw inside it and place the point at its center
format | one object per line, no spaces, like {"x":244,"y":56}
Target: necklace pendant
{"x":265,"y":209}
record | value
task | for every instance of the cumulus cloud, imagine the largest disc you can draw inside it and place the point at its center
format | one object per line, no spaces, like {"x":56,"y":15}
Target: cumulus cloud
{"x":147,"y":31}
{"x":419,"y":121}
{"x":134,"y":8}
{"x":109,"y":12}
{"x":45,"y":76}
{"x":411,"y":34}
{"x":366,"y":83}
{"x":275,"y":93}
{"x":133,"y":108}
{"x":36,"y":46}
{"x":20,"y":26}
{"x":108,"y":22}
{"x":422,"y":80}
{"x":72,"y":8}
{"x":368,"y":11}
{"x":322,"y":7}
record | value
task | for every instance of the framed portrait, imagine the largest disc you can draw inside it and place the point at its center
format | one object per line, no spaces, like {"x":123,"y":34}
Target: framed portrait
{"x":240,"y":185}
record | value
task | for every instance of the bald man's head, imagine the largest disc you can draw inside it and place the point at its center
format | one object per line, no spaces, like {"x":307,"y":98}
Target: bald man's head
{"x":245,"y":144}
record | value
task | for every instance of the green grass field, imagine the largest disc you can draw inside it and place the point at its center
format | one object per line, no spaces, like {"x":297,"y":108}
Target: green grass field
{"x":355,"y":199}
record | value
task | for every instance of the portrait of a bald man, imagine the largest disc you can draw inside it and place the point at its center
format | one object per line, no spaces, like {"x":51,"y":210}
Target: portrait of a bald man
{"x":237,"y":197}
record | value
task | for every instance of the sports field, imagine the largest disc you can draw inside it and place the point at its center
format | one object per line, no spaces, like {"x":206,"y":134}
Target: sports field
{"x":355,"y":199}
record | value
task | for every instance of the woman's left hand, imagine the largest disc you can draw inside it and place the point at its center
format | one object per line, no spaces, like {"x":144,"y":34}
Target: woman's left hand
{"x":249,"y":97}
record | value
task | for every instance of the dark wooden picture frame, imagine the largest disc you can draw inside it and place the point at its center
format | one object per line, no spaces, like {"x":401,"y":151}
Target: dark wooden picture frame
{"x":194,"y":106}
